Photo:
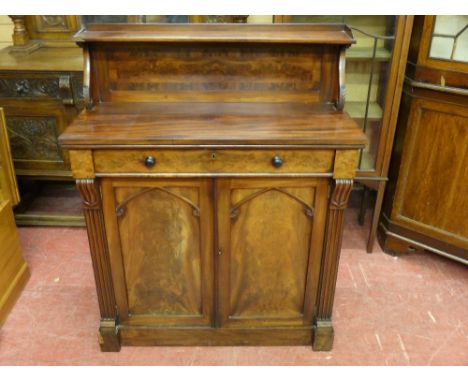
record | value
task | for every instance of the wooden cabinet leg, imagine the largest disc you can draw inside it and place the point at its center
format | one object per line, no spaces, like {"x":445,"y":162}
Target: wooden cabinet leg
{"x":375,"y":216}
{"x":92,"y":206}
{"x":362,"y":208}
{"x":323,"y":329}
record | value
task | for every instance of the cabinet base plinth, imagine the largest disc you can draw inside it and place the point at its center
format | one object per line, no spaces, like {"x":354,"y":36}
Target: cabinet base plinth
{"x":109,"y":336}
{"x":205,"y":336}
{"x":323,"y":335}
{"x":392,"y":244}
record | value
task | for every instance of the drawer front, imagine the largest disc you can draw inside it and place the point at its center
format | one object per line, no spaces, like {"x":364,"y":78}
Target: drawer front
{"x":213,"y":161}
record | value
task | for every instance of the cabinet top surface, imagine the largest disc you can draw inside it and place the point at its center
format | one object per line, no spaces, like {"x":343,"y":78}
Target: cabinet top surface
{"x":43,"y":59}
{"x":110,"y":124}
{"x":338,"y":34}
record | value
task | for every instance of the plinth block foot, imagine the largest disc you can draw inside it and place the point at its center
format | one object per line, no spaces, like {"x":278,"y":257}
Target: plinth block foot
{"x":323,"y":335}
{"x":109,"y":337}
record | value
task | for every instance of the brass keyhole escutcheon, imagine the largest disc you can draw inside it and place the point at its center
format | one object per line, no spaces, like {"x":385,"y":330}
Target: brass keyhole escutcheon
{"x":213,"y":155}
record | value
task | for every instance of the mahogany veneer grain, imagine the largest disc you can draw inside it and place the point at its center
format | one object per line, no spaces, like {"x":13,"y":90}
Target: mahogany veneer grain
{"x":211,"y":123}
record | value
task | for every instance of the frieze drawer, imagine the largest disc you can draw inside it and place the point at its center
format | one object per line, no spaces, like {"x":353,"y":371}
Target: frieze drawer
{"x":62,"y":86}
{"x":213,"y":161}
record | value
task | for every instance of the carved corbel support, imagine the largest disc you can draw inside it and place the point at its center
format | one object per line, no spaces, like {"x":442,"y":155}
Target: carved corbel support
{"x":65,"y":89}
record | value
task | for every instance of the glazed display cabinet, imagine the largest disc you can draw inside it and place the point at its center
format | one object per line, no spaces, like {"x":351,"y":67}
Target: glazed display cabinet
{"x":426,"y":202}
{"x":375,"y":68}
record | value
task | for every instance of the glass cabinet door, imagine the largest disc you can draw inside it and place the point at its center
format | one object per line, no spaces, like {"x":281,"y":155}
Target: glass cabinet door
{"x":152,"y":19}
{"x":367,"y":73}
{"x":449,"y":39}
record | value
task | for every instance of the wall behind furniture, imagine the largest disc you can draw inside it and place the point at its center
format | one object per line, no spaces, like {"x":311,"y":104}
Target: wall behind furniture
{"x":6,"y":30}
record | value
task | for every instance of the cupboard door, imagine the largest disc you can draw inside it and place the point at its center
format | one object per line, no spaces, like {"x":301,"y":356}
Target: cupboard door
{"x":160,"y":235}
{"x":269,"y":248}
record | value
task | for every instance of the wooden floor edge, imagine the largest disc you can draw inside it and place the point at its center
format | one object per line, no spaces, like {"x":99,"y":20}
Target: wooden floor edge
{"x":13,"y":292}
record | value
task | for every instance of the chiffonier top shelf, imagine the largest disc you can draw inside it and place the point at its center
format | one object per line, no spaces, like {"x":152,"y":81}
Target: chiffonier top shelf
{"x":212,"y":124}
{"x":240,"y":33}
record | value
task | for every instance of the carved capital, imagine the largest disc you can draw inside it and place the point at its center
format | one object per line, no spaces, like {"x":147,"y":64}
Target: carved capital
{"x":340,"y":195}
{"x":89,"y":194}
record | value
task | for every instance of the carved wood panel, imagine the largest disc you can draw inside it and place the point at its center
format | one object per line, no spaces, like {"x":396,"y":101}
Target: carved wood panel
{"x":52,"y":23}
{"x":30,"y":87}
{"x":34,"y":138}
{"x":64,"y":86}
{"x":52,"y":27}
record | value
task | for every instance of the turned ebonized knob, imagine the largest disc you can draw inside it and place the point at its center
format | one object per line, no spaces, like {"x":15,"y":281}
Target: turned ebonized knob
{"x":150,"y":161}
{"x":277,"y":161}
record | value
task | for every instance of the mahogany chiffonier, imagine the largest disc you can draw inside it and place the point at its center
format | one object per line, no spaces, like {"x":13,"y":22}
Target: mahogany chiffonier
{"x":214,"y":163}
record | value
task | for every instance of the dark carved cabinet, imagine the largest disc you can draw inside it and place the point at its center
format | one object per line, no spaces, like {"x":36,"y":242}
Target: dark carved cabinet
{"x":426,"y":204}
{"x":214,"y":163}
{"x":41,"y":91}
{"x":38,"y":107}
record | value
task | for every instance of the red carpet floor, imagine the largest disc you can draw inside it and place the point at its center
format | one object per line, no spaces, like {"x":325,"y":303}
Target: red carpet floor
{"x":409,"y":310}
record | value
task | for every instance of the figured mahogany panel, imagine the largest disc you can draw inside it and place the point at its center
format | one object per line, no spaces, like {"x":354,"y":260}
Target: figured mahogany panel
{"x":162,"y":249}
{"x":148,"y":72}
{"x":432,"y":188}
{"x":268,"y":254}
{"x":165,"y":249}
{"x":265,"y":245}
{"x":218,"y":123}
